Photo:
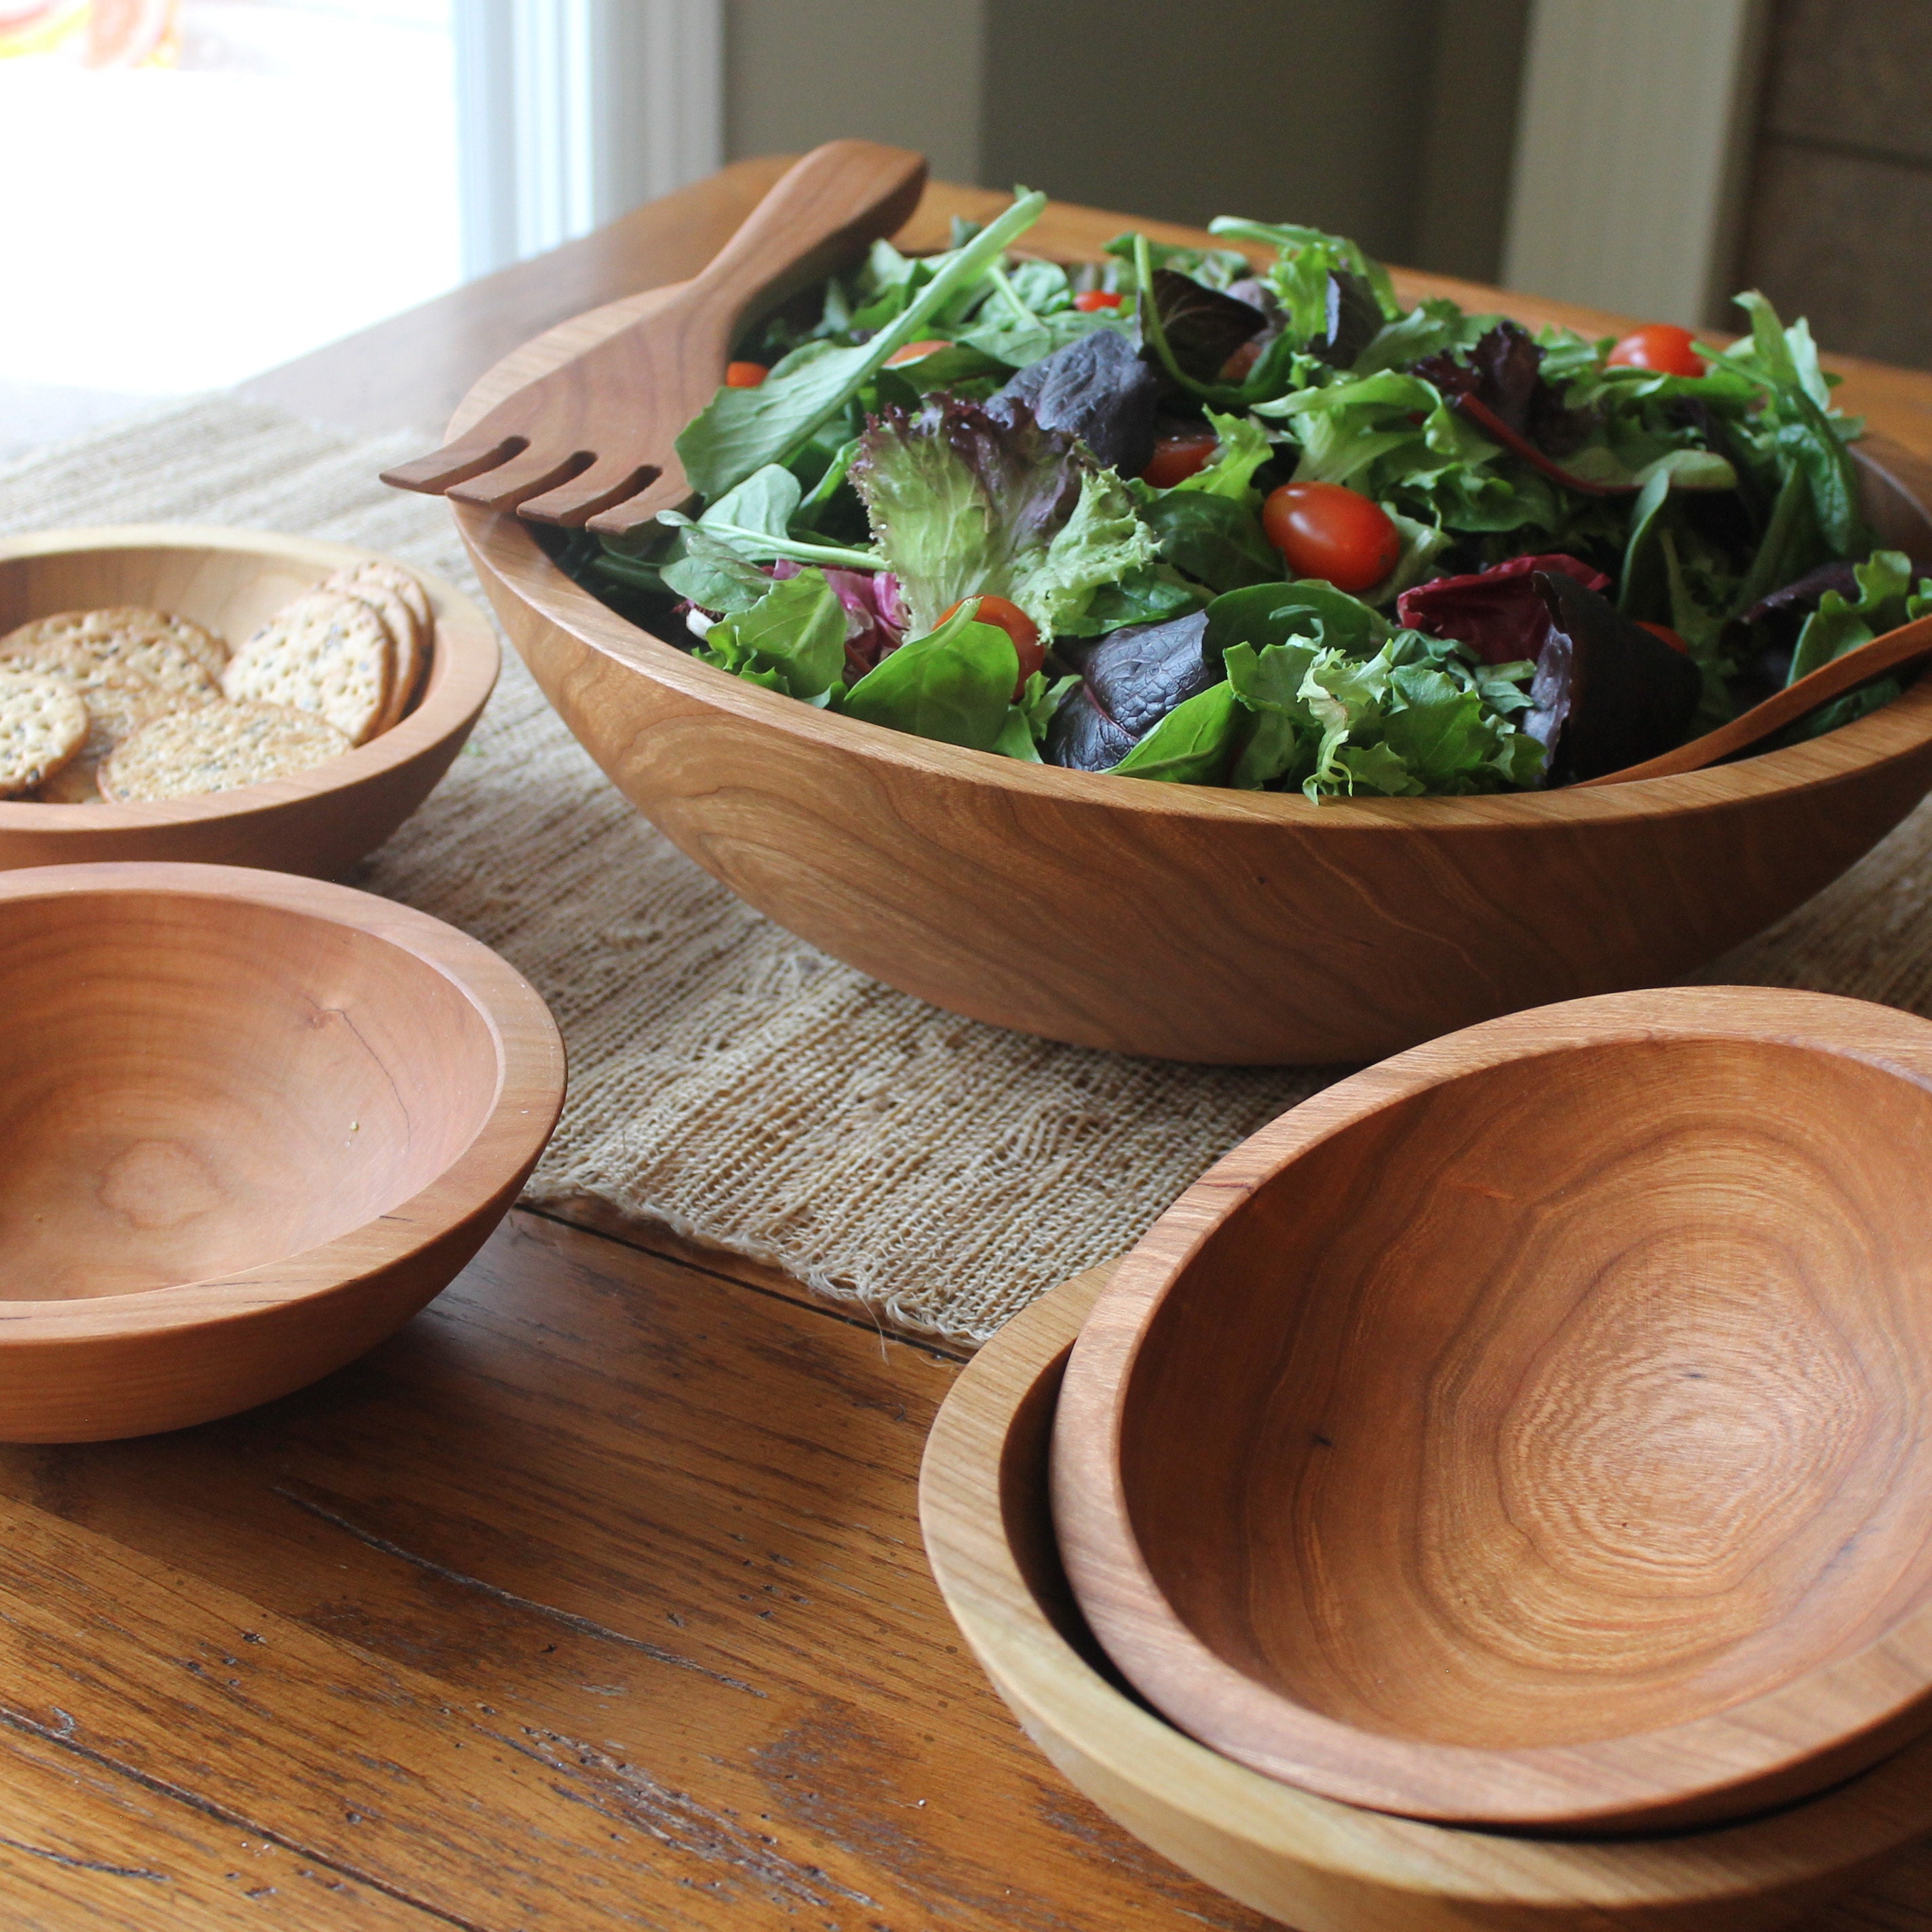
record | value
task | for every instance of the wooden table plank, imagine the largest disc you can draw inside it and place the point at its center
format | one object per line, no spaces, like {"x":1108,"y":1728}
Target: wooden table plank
{"x":595,"y":1597}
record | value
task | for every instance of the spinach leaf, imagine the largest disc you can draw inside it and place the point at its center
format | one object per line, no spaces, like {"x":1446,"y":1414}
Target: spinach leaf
{"x":955,"y":685}
{"x":1272,"y":613}
{"x":1212,"y":538}
{"x":740,"y":430}
{"x":792,"y":639}
{"x":1191,"y":744}
{"x":1148,"y":594}
{"x":693,"y":566}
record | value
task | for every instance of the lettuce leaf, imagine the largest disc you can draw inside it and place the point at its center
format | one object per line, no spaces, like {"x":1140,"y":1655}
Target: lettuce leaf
{"x":1886,"y":600}
{"x":963,"y":505}
{"x":1244,"y":447}
{"x":792,"y":640}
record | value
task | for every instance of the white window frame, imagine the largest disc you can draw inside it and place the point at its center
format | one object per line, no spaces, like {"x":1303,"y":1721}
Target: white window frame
{"x":571,"y":112}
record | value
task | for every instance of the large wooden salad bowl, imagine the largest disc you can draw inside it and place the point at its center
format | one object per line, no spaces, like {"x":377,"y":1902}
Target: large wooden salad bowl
{"x":1180,"y":921}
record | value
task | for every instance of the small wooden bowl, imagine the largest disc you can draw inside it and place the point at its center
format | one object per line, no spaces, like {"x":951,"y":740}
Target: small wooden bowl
{"x":249,"y":1124}
{"x":319,"y":822}
{"x":1310,"y":1861}
{"x":1184,"y":921}
{"x":1535,"y":1430}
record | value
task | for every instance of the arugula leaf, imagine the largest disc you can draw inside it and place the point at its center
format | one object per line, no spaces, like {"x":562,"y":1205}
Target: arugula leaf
{"x":765,"y":503}
{"x":954,"y":684}
{"x":740,"y":430}
{"x":792,"y":639}
{"x":1191,"y":744}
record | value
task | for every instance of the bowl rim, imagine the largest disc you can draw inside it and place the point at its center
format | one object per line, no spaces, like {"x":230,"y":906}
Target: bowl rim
{"x":1229,"y":1819}
{"x":465,"y":660}
{"x":523,"y":1113}
{"x":1716,"y":1765}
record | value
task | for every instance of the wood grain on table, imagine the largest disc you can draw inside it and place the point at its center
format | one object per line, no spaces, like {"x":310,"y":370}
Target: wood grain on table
{"x":594,"y":1598}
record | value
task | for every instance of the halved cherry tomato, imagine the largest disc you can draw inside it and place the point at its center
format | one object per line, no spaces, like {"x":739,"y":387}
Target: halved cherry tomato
{"x":1235,"y":369}
{"x":1018,"y":626}
{"x":1324,"y":529}
{"x":1092,"y":300}
{"x":1668,"y":636}
{"x":1176,"y":458}
{"x":1660,"y":345}
{"x":745,"y":375}
{"x":914,"y":351}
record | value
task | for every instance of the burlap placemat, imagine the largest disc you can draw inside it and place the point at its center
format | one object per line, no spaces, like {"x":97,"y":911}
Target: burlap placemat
{"x":727,"y":1078}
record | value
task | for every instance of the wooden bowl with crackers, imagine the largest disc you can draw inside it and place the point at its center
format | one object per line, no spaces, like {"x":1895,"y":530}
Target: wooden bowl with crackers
{"x":229,"y":697}
{"x":250,"y":1123}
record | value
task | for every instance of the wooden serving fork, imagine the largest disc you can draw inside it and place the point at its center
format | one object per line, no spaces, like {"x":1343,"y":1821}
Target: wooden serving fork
{"x":591,"y":441}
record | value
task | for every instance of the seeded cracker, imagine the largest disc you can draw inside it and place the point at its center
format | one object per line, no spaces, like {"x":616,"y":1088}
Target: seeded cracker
{"x":218,"y":748}
{"x":82,"y":656}
{"x":43,"y":724}
{"x":374,"y":584}
{"x":122,"y":619}
{"x":325,"y":653}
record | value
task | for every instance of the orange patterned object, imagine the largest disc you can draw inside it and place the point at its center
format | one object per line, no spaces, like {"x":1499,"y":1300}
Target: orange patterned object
{"x":99,"y":33}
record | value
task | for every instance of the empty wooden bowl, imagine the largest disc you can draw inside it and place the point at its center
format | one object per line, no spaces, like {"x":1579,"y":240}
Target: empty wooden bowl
{"x":249,"y":1124}
{"x":1311,"y":1862}
{"x":1192,"y":923}
{"x":1535,"y":1430}
{"x":320,"y":821}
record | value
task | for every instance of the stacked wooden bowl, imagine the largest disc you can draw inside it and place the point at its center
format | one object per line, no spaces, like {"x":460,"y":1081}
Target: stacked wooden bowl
{"x":1523,"y":1442}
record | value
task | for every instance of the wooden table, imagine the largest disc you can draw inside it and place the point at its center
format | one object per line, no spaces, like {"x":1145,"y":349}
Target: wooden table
{"x":595,"y":1597}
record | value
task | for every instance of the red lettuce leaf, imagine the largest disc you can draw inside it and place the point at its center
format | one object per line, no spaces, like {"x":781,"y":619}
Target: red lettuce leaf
{"x":1498,"y":613}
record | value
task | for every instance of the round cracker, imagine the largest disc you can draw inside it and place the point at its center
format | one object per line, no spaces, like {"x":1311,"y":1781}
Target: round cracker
{"x":42,"y":725}
{"x":394,"y":577}
{"x":405,"y":630}
{"x":326,"y":653}
{"x":80,"y":656}
{"x":200,"y":643}
{"x":219,"y":747}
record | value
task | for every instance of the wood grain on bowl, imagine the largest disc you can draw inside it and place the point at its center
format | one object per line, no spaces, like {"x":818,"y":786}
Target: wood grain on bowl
{"x":1305,"y":1860}
{"x":1535,"y":1430}
{"x":249,"y":1124}
{"x":1178,"y":921}
{"x":318,"y":821}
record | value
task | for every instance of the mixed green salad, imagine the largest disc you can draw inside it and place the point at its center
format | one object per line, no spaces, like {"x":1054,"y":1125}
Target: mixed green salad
{"x":1183,"y":517}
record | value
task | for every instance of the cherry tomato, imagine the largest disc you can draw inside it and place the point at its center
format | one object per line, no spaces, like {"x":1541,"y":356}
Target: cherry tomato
{"x":1668,"y":636}
{"x":1176,"y":458}
{"x":913,"y":352}
{"x":1660,"y":345}
{"x":1018,"y":626}
{"x":1092,"y":300}
{"x":745,"y":375}
{"x":1323,"y":530}
{"x":1235,"y":369}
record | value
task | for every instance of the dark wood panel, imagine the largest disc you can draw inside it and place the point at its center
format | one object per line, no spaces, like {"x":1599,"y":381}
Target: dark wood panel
{"x":1853,"y":73}
{"x":1846,"y":240}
